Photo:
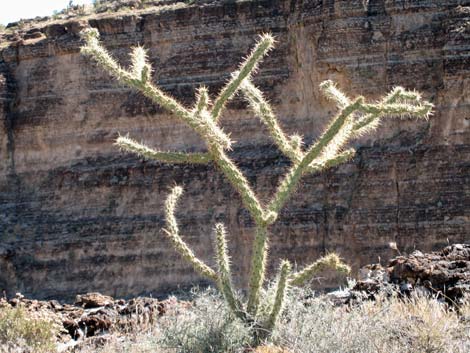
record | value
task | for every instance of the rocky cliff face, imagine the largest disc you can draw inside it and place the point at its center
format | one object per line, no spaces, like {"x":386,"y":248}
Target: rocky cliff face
{"x":76,"y":215}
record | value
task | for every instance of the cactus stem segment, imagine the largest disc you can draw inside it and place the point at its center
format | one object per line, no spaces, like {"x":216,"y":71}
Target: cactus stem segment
{"x":225,"y":276}
{"x":282,"y":284}
{"x":291,"y":148}
{"x":172,"y":233}
{"x":131,"y":145}
{"x":262,"y":47}
{"x":258,"y":268}
{"x":330,"y":261}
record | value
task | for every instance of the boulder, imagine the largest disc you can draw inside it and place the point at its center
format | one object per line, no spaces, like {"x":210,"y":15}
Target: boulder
{"x":93,"y":300}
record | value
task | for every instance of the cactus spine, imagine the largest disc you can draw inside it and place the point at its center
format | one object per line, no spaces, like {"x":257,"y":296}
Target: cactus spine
{"x":355,"y":117}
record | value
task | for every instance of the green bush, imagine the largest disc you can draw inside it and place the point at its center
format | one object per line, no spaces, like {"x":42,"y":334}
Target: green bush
{"x":21,"y":332}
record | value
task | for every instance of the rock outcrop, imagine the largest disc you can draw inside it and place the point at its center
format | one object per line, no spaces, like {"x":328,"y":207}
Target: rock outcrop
{"x":98,"y":319}
{"x":94,"y":318}
{"x":78,"y":216}
{"x":442,"y":274}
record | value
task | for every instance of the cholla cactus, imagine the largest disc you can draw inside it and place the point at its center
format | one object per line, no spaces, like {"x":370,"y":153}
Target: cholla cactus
{"x":355,"y":117}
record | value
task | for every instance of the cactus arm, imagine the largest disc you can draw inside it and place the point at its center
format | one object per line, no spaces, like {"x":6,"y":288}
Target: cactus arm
{"x":282,"y":284}
{"x":398,"y":109}
{"x":262,"y":47}
{"x":202,"y":100}
{"x":400,"y":94}
{"x":409,"y":102}
{"x":291,"y":180}
{"x":342,"y":129}
{"x":263,"y":110}
{"x":398,"y":102}
{"x":94,"y":49}
{"x":140,"y":65}
{"x":333,"y":148}
{"x":332,"y":92}
{"x":181,"y":247}
{"x":203,"y":125}
{"x":332,"y":162}
{"x":239,"y":182}
{"x":131,"y":145}
{"x":224,"y":273}
{"x":258,"y":268}
{"x":330,"y":261}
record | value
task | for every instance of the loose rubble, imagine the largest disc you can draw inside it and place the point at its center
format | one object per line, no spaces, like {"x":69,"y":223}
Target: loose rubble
{"x":444,"y":274}
{"x":94,"y":316}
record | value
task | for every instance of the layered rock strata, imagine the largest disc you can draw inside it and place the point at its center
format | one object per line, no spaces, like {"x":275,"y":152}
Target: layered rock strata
{"x":76,"y":215}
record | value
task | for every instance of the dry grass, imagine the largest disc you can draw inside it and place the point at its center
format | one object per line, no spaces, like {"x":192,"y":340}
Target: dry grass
{"x":416,"y":324}
{"x":20,"y":332}
{"x":309,"y":325}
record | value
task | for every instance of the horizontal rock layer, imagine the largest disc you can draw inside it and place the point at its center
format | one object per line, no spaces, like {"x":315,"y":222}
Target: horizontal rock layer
{"x":76,"y":215}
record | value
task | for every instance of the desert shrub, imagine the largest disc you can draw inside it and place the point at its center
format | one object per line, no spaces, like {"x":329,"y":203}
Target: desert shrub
{"x":415,"y":325}
{"x":205,"y":326}
{"x":19,"y":332}
{"x":309,"y":324}
{"x":208,"y":326}
{"x":100,"y":6}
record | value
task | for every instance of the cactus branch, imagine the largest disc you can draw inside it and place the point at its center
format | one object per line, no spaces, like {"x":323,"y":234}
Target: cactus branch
{"x":263,"y":110}
{"x":332,"y":162}
{"x":258,"y":268}
{"x":239,"y":182}
{"x":202,"y":100}
{"x":172,"y":233}
{"x":291,"y":180}
{"x":94,"y":49}
{"x":140,"y":67}
{"x":262,"y":47}
{"x":225,"y":276}
{"x":332,"y":92}
{"x":410,"y":103}
{"x":399,"y":93}
{"x":206,"y":129}
{"x":330,"y":261}
{"x":284,"y":272}
{"x":341,"y":130}
{"x":131,"y":145}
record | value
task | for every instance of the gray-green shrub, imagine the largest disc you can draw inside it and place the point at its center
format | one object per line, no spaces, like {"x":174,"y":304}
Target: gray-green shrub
{"x":19,"y":331}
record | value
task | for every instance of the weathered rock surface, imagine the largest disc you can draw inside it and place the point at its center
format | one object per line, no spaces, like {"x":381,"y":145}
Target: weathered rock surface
{"x":95,"y":318}
{"x":77,"y":216}
{"x":444,"y":275}
{"x":93,"y":300}
{"x":446,"y":272}
{"x":76,"y":324}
